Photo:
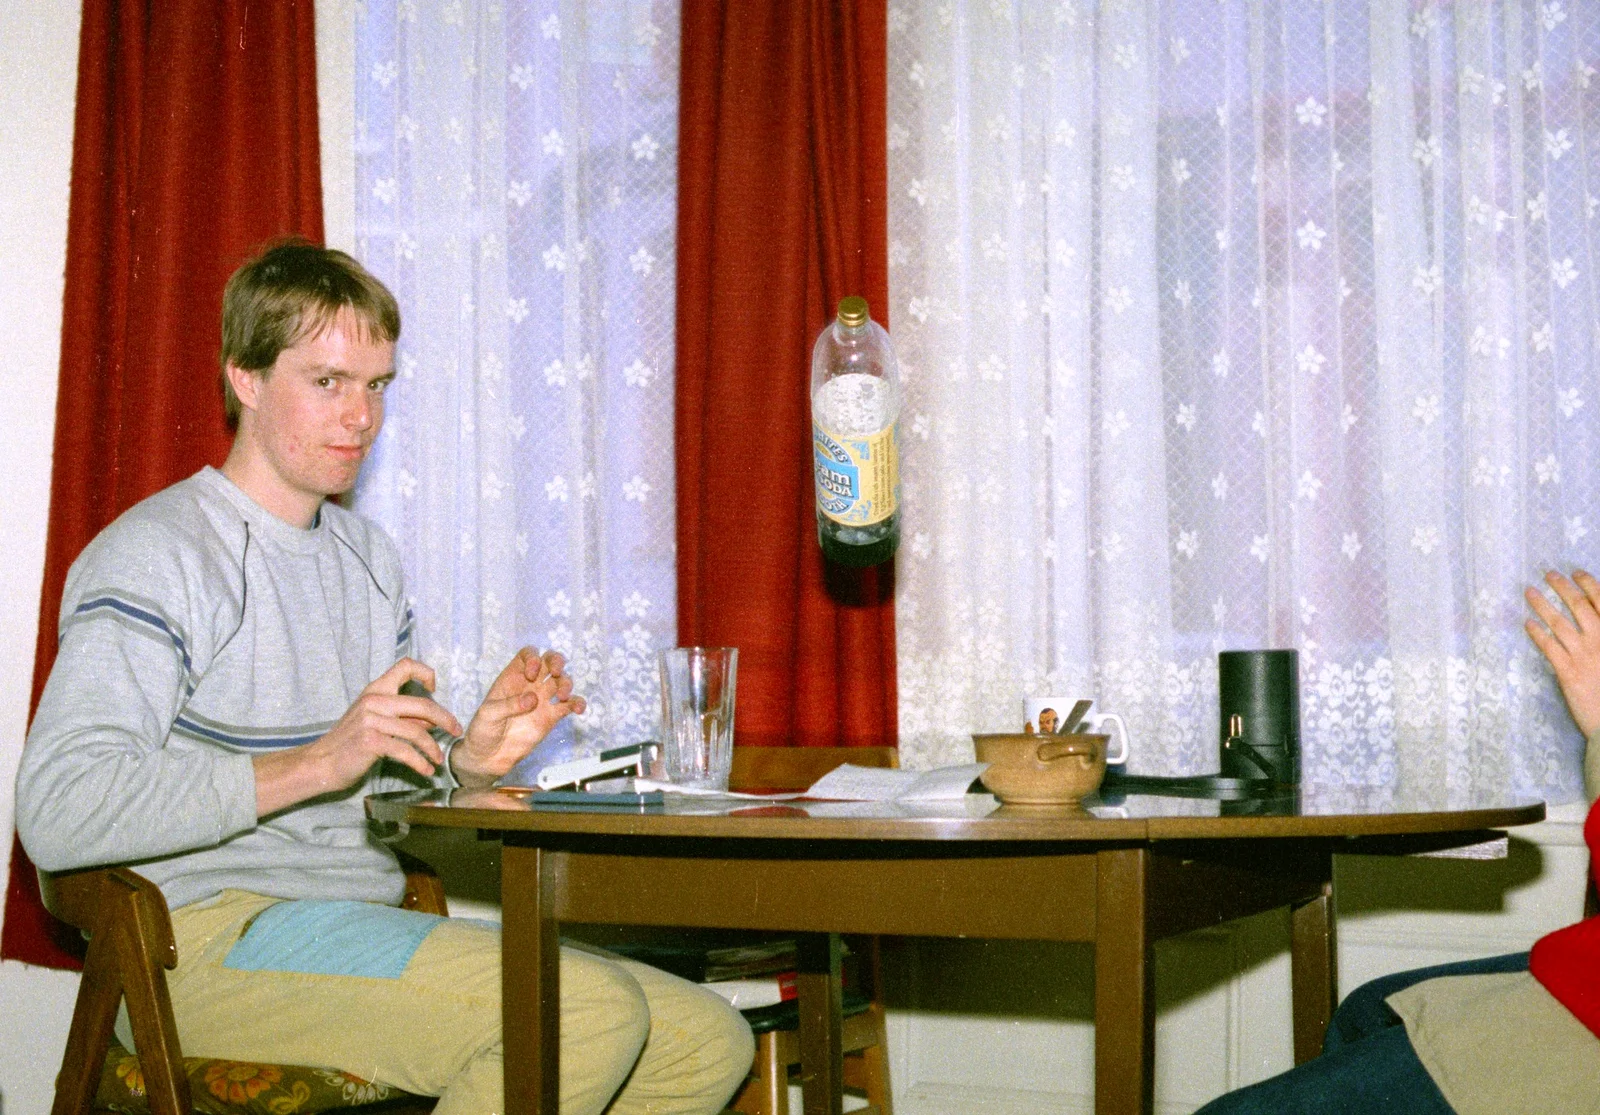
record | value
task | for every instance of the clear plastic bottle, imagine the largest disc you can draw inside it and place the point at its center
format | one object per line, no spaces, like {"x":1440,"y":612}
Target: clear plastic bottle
{"x":855,"y":411}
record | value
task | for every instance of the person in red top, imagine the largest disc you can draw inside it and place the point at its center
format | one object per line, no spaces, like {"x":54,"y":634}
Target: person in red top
{"x":1370,"y":1063}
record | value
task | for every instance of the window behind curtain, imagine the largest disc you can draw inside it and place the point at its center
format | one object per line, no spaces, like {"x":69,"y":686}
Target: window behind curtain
{"x":1244,"y":324}
{"x":516,"y":173}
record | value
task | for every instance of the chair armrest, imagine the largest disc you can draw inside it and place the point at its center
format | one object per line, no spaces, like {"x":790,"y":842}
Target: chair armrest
{"x":84,"y":898}
{"x":73,"y":896}
{"x":130,"y":943}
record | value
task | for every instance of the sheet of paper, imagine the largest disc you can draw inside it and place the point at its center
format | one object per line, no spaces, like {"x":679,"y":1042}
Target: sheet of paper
{"x":944,"y":784}
{"x":973,"y":806}
{"x":852,"y":783}
{"x":844,"y":783}
{"x":645,"y":784}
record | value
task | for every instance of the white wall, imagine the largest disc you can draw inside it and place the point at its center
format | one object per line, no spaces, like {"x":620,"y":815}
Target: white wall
{"x":336,"y":120}
{"x":38,"y":58}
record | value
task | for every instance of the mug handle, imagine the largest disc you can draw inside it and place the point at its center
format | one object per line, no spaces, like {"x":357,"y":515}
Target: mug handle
{"x":1122,"y":736}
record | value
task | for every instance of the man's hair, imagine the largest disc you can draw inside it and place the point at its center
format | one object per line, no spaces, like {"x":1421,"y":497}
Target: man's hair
{"x":290,"y":292}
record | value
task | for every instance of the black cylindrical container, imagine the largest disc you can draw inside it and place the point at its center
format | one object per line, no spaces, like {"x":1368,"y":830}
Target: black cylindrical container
{"x":1259,"y":694}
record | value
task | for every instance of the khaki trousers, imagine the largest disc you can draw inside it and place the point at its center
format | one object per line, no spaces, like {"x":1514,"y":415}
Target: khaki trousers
{"x":634,"y":1040}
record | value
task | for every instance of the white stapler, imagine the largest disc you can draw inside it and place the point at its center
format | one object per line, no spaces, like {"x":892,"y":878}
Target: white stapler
{"x":636,"y":758}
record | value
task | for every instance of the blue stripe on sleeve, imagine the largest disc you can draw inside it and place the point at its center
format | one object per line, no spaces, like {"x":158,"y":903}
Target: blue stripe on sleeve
{"x":250,"y":743}
{"x":143,"y":615}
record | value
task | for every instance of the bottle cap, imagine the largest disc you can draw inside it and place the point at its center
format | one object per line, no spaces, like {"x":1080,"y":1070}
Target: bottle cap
{"x":853,"y":311}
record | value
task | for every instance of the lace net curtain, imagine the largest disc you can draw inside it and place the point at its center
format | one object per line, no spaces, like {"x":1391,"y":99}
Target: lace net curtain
{"x":1246,"y":324}
{"x":516,"y":174}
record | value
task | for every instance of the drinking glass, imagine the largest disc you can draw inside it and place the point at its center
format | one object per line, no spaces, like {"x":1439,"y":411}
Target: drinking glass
{"x":697,"y":701}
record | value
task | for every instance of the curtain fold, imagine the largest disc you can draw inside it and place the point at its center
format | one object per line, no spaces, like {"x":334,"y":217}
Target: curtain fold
{"x":195,"y":140}
{"x":782,"y":188}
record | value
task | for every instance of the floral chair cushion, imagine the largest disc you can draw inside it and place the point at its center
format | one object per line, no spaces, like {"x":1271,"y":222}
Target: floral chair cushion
{"x":237,"y":1087}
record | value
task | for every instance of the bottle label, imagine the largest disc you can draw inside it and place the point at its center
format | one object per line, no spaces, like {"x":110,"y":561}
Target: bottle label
{"x":858,"y":478}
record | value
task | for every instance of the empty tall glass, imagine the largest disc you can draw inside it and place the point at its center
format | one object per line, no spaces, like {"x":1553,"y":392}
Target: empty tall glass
{"x":697,"y":698}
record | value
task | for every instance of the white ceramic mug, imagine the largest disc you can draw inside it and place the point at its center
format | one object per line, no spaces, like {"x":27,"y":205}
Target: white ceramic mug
{"x":1045,"y":714}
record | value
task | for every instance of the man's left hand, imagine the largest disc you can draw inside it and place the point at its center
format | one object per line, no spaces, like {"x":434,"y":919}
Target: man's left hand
{"x":531,"y":695}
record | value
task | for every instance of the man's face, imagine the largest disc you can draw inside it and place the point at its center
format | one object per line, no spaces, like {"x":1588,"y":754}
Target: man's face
{"x":306,"y":427}
{"x":1047,"y":721}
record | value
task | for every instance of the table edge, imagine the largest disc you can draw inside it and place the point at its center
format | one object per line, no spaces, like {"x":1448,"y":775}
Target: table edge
{"x":1011,"y":828}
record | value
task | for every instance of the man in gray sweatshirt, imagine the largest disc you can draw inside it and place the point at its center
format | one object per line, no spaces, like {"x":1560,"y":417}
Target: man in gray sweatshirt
{"x":227,"y":692}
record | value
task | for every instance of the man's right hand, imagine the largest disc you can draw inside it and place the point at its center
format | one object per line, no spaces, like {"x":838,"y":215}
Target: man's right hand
{"x":381,"y":724}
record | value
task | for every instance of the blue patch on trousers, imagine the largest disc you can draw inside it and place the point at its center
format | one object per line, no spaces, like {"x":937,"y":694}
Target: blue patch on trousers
{"x":332,"y":939}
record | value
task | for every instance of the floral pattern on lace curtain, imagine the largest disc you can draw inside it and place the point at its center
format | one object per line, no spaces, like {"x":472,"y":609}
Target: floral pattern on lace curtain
{"x":516,"y":182}
{"x":1245,"y":324}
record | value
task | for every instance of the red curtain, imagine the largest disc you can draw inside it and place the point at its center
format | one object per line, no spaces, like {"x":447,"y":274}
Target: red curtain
{"x":782,"y":199}
{"x":195,"y":141}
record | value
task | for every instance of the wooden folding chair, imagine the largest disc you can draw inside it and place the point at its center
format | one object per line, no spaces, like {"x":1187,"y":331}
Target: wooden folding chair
{"x":131,"y":948}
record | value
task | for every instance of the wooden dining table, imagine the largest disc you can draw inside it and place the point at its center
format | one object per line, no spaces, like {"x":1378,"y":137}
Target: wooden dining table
{"x":1122,"y":872}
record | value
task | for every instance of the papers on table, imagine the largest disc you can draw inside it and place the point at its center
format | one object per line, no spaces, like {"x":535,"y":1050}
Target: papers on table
{"x":852,"y":783}
{"x":644,"y":784}
{"x":847,"y":783}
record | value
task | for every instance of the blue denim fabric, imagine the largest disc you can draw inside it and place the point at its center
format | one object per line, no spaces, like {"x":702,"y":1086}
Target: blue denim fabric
{"x":332,"y":938}
{"x":1367,"y":1065}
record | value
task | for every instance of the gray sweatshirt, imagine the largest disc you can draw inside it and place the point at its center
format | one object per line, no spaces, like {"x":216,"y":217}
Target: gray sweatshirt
{"x":199,"y":630}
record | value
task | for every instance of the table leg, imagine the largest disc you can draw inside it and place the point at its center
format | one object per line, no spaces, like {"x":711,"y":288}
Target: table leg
{"x":821,"y":996}
{"x":530,"y":981}
{"x":1124,"y":985}
{"x":1313,"y":973}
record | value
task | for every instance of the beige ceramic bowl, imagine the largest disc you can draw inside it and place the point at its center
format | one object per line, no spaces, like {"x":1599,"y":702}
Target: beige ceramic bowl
{"x":1042,"y":769}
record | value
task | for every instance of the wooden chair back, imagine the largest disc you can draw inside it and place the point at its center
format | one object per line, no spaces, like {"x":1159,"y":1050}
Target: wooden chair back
{"x":131,"y":948}
{"x":796,"y":768}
